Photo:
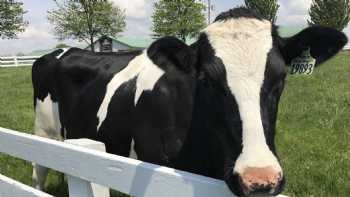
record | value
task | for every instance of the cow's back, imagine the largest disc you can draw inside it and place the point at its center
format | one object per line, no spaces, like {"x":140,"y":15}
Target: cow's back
{"x":61,"y":77}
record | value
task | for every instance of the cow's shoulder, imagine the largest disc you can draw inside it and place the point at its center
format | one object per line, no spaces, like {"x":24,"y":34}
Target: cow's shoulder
{"x":168,"y":52}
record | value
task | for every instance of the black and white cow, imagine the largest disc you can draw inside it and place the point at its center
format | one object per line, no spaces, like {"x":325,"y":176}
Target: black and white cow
{"x":210,"y":108}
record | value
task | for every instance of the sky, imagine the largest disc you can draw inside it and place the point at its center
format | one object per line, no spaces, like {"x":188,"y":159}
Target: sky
{"x":39,"y":34}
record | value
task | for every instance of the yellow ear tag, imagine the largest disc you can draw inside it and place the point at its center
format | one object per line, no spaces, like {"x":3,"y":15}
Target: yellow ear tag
{"x":303,"y":65}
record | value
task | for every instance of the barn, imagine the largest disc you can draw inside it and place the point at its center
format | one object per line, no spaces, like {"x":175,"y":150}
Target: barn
{"x":122,"y":43}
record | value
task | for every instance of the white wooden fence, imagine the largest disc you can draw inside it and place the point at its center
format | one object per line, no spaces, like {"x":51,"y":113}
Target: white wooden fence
{"x":347,"y":47}
{"x":85,"y":165}
{"x":16,"y":61}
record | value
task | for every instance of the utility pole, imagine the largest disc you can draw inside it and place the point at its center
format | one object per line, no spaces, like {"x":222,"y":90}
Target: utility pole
{"x":209,"y":12}
{"x":210,"y":8}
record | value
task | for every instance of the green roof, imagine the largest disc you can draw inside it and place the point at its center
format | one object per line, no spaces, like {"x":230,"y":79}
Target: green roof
{"x":141,"y":42}
{"x":133,"y":42}
{"x":289,"y":31}
{"x":190,"y":41}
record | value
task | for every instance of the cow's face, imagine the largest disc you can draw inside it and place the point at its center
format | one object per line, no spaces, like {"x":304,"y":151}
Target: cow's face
{"x":254,"y":58}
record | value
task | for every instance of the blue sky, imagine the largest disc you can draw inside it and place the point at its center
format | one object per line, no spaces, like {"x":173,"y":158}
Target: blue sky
{"x":38,"y":34}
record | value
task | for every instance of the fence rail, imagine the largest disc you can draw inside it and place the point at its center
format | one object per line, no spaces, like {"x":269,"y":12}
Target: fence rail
{"x":123,"y":174}
{"x":16,"y":61}
{"x":9,"y":187}
{"x":133,"y":177}
{"x":346,"y":47}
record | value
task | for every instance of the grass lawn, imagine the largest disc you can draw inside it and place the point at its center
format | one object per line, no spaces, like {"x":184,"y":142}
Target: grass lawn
{"x":313,"y":132}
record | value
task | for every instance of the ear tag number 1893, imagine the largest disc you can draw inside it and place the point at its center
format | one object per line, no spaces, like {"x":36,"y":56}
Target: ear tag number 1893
{"x":303,"y":65}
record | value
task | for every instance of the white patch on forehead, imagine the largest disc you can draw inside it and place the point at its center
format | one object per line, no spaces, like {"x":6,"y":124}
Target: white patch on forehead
{"x":148,"y":74}
{"x":243,"y":45}
{"x":62,"y":53}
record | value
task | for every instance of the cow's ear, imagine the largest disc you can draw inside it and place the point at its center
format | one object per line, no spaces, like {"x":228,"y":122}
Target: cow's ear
{"x":323,"y":43}
{"x":174,"y":50}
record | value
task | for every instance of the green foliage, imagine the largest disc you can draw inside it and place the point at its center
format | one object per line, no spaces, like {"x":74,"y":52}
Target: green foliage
{"x":330,"y":13}
{"x":266,"y":8}
{"x":11,"y":18}
{"x":86,"y":20}
{"x":179,"y":18}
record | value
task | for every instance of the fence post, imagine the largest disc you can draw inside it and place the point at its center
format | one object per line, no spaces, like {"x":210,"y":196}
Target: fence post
{"x":82,"y":188}
{"x":15,"y":60}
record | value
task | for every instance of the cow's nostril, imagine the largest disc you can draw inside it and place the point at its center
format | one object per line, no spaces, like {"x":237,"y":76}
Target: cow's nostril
{"x":262,"y":189}
{"x":259,"y":180}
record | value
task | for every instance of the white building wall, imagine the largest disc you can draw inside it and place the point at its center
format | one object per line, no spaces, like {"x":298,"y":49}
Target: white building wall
{"x":115,"y":48}
{"x":120,"y":47}
{"x":96,"y":45}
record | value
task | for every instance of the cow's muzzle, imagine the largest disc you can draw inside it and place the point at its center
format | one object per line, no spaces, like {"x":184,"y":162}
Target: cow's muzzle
{"x":263,"y":181}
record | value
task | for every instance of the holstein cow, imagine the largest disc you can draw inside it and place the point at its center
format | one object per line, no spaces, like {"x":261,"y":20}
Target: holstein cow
{"x":209,"y":108}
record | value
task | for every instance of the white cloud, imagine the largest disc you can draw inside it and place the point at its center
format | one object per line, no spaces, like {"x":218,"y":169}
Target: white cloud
{"x":298,"y":6}
{"x":293,"y":12}
{"x":138,"y":25}
{"x":33,"y":32}
{"x":133,"y":8}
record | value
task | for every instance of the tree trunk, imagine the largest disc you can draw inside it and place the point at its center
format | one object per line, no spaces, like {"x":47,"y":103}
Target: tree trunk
{"x":92,"y":46}
{"x":183,"y":38}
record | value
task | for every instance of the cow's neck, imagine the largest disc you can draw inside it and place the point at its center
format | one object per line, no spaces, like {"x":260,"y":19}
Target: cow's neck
{"x":208,"y":149}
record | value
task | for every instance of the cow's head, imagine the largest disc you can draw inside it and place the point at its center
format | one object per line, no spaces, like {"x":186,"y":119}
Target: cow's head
{"x":246,"y":57}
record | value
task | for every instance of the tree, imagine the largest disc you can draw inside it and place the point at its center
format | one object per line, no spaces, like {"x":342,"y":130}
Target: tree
{"x":11,"y":18}
{"x":266,"y":8}
{"x":85,"y":20}
{"x":330,"y":13}
{"x":179,"y":18}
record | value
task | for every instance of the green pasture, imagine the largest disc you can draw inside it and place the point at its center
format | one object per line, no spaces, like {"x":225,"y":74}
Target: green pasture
{"x":313,"y":131}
